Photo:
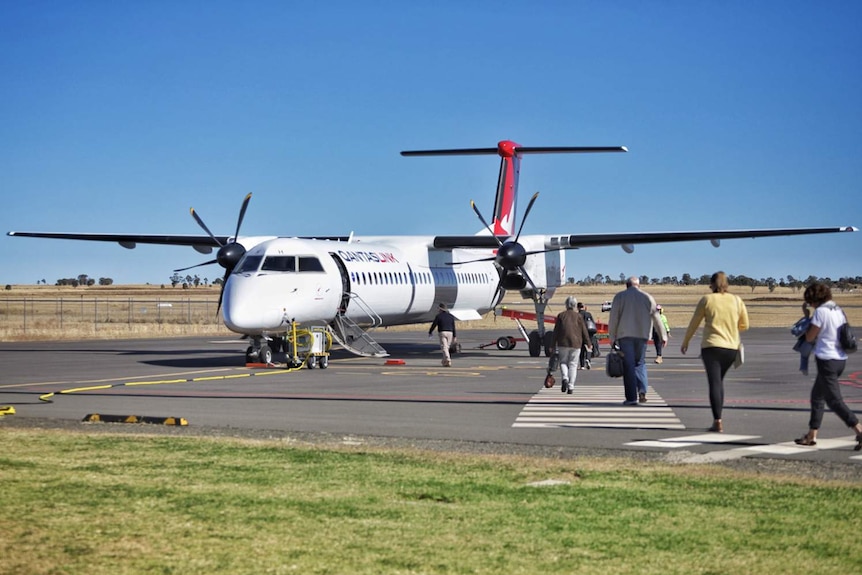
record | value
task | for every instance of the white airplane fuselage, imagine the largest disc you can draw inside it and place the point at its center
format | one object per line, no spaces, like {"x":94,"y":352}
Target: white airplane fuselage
{"x":375,"y":282}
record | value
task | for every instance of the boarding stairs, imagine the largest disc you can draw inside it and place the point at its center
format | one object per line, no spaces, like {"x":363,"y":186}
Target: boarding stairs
{"x":352,"y":336}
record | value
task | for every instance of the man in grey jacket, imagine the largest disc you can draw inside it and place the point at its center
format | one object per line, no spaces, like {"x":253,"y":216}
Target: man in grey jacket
{"x":633,"y":317}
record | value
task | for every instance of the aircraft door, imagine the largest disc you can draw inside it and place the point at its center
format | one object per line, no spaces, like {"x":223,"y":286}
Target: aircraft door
{"x":345,"y":283}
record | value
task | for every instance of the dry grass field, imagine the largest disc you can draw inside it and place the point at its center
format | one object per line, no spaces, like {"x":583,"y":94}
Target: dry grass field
{"x":132,"y":311}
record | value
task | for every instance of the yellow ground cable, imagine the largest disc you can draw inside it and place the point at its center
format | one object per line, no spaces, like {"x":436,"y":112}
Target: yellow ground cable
{"x":6,"y":410}
{"x":48,"y":396}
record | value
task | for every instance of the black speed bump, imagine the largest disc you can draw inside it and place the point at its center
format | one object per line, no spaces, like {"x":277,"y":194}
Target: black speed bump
{"x":105,"y":418}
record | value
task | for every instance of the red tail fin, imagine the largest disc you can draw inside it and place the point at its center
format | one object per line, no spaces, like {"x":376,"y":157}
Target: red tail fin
{"x":505,"y":203}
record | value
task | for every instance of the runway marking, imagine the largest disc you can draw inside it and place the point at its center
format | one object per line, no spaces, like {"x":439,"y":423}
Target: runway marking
{"x":595,"y":406}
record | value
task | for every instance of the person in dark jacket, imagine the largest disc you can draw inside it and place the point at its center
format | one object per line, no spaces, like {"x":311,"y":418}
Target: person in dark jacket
{"x":444,"y":323}
{"x":570,"y":333}
{"x":584,"y":359}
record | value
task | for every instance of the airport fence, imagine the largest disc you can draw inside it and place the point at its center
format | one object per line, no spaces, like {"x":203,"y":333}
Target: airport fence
{"x":23,"y":315}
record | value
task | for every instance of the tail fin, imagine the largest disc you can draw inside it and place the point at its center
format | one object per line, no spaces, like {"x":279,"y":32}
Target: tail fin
{"x":504,"y":222}
{"x":505,"y":214}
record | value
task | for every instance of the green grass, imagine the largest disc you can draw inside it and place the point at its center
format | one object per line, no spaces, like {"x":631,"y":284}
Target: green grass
{"x":112,"y":503}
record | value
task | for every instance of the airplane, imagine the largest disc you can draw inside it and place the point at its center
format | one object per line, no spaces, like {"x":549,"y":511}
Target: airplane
{"x":350,"y":284}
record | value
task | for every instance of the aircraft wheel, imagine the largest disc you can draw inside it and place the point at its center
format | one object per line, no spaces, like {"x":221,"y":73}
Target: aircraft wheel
{"x":512,"y":342}
{"x":503,"y":343}
{"x":535,"y":344}
{"x":265,"y":354}
{"x":548,"y":343}
{"x":323,"y":361}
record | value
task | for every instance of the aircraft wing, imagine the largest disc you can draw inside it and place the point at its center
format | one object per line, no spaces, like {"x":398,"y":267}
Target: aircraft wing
{"x":203,"y":244}
{"x":200,"y":243}
{"x":576,"y":241}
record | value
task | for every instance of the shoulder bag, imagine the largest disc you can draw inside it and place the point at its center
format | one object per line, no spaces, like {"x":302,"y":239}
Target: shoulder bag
{"x":740,"y":353}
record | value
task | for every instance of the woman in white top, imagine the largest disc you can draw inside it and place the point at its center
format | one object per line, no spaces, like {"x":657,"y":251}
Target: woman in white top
{"x":823,"y":332}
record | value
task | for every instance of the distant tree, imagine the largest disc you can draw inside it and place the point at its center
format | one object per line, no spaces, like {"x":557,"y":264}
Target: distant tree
{"x":175,"y":279}
{"x":686,"y":280}
{"x":105,"y":281}
{"x":197,"y":281}
{"x":644,"y":280}
{"x":8,"y":287}
{"x":82,"y":279}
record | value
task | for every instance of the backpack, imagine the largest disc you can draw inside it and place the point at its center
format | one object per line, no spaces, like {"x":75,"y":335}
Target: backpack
{"x":846,"y":337}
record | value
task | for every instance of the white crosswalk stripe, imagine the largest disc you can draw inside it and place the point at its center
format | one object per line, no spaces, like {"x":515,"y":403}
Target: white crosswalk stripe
{"x":784,"y":448}
{"x":596,"y":406}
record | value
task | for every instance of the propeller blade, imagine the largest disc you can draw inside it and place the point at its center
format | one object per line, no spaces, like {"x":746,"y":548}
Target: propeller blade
{"x":197,"y":266}
{"x":488,"y":259}
{"x":241,"y":215}
{"x":221,"y":292}
{"x":527,"y":277}
{"x":526,"y":213}
{"x":204,"y":226}
{"x":482,"y":219}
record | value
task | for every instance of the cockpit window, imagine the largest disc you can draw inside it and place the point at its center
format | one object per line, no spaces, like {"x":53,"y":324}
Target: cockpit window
{"x":279,"y":264}
{"x":310,"y":264}
{"x":248,"y":264}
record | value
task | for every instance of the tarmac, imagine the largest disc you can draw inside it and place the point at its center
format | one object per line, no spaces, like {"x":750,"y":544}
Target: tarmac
{"x":489,"y":401}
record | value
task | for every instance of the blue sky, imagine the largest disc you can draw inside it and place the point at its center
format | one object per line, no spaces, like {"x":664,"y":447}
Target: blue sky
{"x":119,"y":116}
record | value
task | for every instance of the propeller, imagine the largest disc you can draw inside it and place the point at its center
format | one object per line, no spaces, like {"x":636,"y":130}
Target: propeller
{"x":229,"y":253}
{"x":511,"y":255}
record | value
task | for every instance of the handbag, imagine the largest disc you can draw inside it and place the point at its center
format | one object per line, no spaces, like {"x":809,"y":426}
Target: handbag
{"x":553,"y":365}
{"x":740,"y":352}
{"x":614,"y":364}
{"x":591,"y":325}
{"x":740,"y":356}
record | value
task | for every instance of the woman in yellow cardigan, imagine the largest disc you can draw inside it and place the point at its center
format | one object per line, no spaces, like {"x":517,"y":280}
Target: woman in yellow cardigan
{"x":725,"y":316}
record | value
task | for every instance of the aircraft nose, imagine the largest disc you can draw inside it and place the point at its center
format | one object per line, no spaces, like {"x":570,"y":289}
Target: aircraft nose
{"x":244,"y":313}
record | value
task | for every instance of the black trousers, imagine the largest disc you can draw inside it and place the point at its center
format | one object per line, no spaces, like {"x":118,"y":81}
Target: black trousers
{"x":827,"y":391}
{"x":716,"y":362}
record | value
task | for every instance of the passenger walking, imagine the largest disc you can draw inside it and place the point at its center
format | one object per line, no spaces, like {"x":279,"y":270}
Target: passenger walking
{"x":830,"y":358}
{"x":444,"y":322}
{"x":656,"y":336}
{"x":570,"y":334}
{"x":633,"y":316}
{"x":725,"y":316}
{"x":584,"y":360}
